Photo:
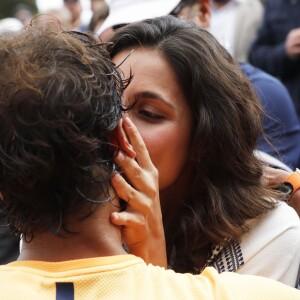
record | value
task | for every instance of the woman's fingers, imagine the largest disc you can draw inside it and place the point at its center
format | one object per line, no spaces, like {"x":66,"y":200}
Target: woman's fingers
{"x":135,"y":139}
{"x":141,"y":179}
{"x":133,"y":226}
{"x":119,"y":140}
{"x":140,"y":172}
{"x":128,"y":219}
{"x":135,"y":199}
{"x":144,"y":238}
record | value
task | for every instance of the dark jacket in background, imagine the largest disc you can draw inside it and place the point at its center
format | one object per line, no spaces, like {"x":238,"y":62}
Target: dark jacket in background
{"x":9,"y":245}
{"x":280,"y":121}
{"x":268,"y":51}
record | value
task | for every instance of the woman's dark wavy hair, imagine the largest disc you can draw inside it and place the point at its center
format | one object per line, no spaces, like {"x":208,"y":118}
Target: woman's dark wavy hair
{"x":60,"y":99}
{"x":226,"y":189}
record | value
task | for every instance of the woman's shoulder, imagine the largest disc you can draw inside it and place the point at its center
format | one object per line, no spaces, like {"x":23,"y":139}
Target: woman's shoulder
{"x":271,"y":248}
{"x":282,"y":217}
{"x":282,"y":220}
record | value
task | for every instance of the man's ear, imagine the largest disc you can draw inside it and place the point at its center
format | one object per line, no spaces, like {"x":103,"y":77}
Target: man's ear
{"x":119,"y":139}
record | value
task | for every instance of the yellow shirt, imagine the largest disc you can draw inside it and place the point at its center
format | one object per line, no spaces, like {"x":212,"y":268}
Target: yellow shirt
{"x":128,"y":277}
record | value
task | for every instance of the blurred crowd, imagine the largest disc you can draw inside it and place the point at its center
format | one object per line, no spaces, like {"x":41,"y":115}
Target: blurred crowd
{"x":266,"y":33}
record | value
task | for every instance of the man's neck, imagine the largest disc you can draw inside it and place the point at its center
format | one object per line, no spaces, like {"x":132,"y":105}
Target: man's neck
{"x":95,"y":236}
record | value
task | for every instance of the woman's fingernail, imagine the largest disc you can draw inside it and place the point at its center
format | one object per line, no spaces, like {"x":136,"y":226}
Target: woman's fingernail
{"x":114,"y":216}
{"x":128,"y":121}
{"x":117,"y":177}
{"x":120,"y":156}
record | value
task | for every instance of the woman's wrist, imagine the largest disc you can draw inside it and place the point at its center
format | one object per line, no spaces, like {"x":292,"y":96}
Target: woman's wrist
{"x":151,"y":252}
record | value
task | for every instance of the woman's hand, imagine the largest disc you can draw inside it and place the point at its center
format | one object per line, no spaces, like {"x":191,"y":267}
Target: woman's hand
{"x":274,"y":178}
{"x":141,"y":221}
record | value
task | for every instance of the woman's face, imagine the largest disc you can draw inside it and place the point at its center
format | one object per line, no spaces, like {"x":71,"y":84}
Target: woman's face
{"x":161,"y":114}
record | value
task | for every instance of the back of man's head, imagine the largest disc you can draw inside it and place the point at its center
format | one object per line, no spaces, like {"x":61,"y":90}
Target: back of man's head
{"x":59,"y":102}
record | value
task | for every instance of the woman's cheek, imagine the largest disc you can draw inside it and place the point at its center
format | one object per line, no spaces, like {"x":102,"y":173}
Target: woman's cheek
{"x":163,"y":151}
{"x":156,"y":141}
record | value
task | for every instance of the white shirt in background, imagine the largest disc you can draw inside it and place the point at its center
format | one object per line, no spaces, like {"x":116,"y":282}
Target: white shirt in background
{"x":222,"y":25}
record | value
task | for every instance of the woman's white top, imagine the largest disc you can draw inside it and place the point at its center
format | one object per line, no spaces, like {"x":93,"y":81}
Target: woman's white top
{"x":271,"y":248}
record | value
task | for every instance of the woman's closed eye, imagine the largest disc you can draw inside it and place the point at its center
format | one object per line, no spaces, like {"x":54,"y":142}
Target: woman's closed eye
{"x":150,"y":107}
{"x":151,"y":115}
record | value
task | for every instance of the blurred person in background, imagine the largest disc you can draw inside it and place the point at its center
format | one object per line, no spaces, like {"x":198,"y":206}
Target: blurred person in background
{"x":235,"y":23}
{"x":9,"y":25}
{"x":100,"y":13}
{"x":63,"y":15}
{"x":75,"y":8}
{"x":277,"y":46}
{"x":97,"y":5}
{"x":281,"y":126}
{"x":23,"y":13}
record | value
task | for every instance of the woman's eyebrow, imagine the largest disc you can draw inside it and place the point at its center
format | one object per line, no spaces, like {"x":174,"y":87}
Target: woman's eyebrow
{"x":156,"y":96}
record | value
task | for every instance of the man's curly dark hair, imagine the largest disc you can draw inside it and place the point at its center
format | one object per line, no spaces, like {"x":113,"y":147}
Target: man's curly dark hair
{"x":60,"y":99}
